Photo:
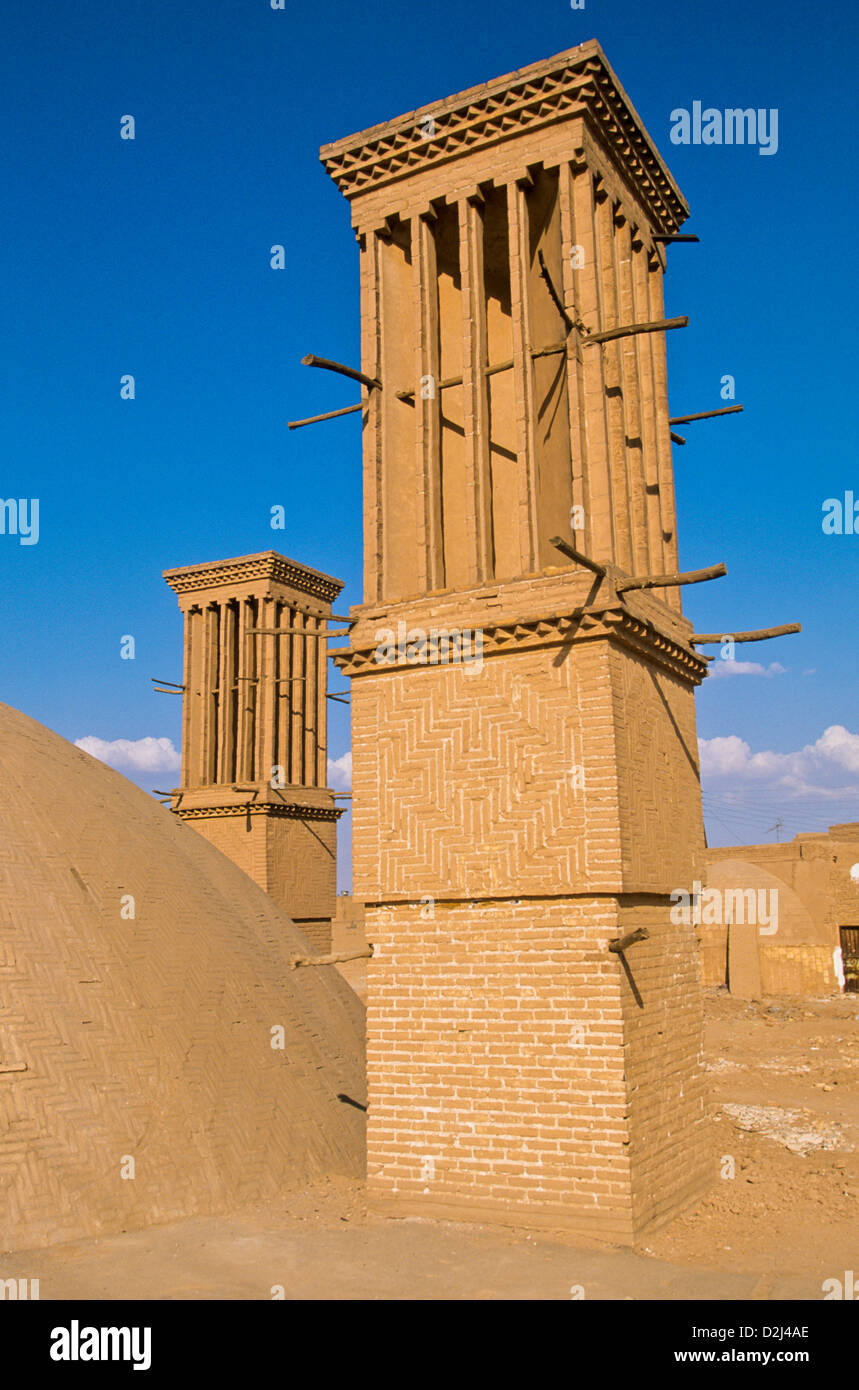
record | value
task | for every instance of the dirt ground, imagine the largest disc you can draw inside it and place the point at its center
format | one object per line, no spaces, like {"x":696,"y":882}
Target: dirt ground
{"x":783,"y":1079}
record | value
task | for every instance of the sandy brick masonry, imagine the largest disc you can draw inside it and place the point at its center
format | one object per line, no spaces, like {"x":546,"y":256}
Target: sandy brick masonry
{"x":510,"y":1071}
{"x":515,"y":813}
{"x":141,"y":978}
{"x":255,"y":702}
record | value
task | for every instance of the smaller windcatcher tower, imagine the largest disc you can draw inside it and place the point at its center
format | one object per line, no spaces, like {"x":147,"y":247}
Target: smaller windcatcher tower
{"x":254,"y":746}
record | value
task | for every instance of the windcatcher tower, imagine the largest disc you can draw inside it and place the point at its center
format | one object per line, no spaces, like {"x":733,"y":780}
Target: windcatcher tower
{"x":514,"y":816}
{"x":254,"y":760}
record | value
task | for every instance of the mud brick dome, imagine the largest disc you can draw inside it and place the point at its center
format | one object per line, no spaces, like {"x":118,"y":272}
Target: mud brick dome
{"x":150,"y":1037}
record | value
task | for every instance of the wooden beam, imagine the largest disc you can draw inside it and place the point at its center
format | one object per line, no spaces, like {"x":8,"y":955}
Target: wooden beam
{"x":159,"y":681}
{"x":572,"y":554}
{"x":499,"y":367}
{"x":677,"y":438}
{"x":330,"y":366}
{"x":301,"y":631}
{"x":549,"y":351}
{"x":329,"y":415}
{"x":760,"y":635}
{"x":440,"y":386}
{"x":336,"y":958}
{"x":488,"y":371}
{"x":553,"y":293}
{"x":667,"y":581}
{"x":704,"y":415}
{"x":656,"y":326}
{"x":620,"y":943}
{"x":681,"y":236}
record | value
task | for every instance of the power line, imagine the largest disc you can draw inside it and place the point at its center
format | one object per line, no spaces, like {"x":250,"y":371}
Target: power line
{"x":795,"y":807}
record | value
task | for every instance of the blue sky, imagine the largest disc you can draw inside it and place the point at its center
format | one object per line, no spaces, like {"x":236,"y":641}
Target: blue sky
{"x":151,"y":257}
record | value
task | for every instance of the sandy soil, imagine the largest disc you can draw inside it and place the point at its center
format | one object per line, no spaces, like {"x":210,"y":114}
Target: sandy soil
{"x":786,"y":1114}
{"x":784,"y":1078}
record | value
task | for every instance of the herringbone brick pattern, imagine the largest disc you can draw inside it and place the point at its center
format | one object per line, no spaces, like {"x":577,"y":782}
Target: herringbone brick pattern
{"x":498,"y":781}
{"x":513,"y":1069}
{"x":149,"y":1037}
{"x":661,"y":818}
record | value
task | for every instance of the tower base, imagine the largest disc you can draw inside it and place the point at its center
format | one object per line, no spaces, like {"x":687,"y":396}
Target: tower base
{"x":516,"y":809}
{"x":539,"y":1079}
{"x":288,"y":847}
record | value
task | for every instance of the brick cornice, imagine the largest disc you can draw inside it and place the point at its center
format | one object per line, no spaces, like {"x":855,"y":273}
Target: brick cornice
{"x":266,"y":565}
{"x":588,"y":623}
{"x":575,"y":82}
{"x":251,"y":808}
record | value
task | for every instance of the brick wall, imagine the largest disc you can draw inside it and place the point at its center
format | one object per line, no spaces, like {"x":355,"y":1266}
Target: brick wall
{"x":302,"y":874}
{"x":670,"y":1153}
{"x":294,"y":861}
{"x":816,"y":897}
{"x":495,"y":1055}
{"x":513,"y":1072}
{"x":240,"y":838}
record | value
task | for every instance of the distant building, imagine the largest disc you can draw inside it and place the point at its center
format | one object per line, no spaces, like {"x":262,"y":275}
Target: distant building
{"x":804,"y":896}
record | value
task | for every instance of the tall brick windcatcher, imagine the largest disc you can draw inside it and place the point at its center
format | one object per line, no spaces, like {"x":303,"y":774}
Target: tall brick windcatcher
{"x":526,"y":785}
{"x":254,"y":763}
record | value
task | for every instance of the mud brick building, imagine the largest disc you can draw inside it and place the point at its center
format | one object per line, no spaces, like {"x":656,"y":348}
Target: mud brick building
{"x":515,"y":815}
{"x":813,"y":883}
{"x":254,"y":761}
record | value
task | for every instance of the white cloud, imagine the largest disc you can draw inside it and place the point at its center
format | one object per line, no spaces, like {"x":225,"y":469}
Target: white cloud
{"x":340,"y":773}
{"x":132,"y":755}
{"x":840,"y":746}
{"x":809,"y":789}
{"x":828,"y":768}
{"x":720,"y":670}
{"x":834,"y":754}
{"x":722,"y":757}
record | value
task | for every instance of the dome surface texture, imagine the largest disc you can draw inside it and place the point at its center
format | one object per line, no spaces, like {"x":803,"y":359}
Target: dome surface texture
{"x":138,"y":1078}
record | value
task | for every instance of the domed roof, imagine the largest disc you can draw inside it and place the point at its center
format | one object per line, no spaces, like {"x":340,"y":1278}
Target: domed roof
{"x":150,"y":1037}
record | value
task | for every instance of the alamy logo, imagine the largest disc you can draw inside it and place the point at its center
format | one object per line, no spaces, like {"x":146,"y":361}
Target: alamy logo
{"x":734,"y":126}
{"x":841,"y":1289}
{"x":735,"y":906}
{"x":13,"y":519}
{"x":76,"y":1343}
{"x":439,"y":646}
{"x":841,"y":518}
{"x":19,"y":1289}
